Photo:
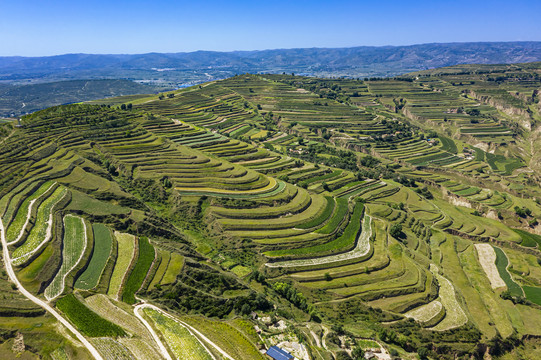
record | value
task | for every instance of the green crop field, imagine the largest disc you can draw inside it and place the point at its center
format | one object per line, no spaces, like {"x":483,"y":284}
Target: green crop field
{"x":100,"y":254}
{"x":347,"y":239}
{"x":165,"y":257}
{"x":225,"y":336}
{"x":18,"y":222}
{"x":90,"y":323}
{"x":528,"y":239}
{"x":112,"y":349}
{"x":39,"y":233}
{"x":126,"y":248}
{"x":179,"y":339}
{"x":533,"y":294}
{"x":106,"y":308}
{"x":74,"y":244}
{"x":174,"y":268}
{"x":338,"y":216}
{"x":140,"y":271}
{"x":502,"y":263}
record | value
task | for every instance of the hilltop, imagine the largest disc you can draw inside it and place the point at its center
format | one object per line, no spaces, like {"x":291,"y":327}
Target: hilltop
{"x":330,"y":216}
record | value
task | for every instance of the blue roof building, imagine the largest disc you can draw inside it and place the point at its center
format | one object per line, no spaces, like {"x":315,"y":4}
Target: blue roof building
{"x":278,"y":354}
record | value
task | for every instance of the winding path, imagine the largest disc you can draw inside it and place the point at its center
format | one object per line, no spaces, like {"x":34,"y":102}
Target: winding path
{"x":190,"y":328}
{"x":155,"y":336}
{"x":37,"y":301}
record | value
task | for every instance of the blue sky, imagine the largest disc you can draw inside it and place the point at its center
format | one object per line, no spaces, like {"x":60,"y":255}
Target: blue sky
{"x":48,"y":27}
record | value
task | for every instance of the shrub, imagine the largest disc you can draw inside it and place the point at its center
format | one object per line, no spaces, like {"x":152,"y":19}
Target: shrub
{"x":423,"y":353}
{"x":342,"y":355}
{"x":425,"y":192}
{"x":291,"y":294}
{"x":357,"y":353}
{"x":523,"y":211}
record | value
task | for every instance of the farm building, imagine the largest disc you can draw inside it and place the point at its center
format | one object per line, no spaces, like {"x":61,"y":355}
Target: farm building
{"x":277,"y":353}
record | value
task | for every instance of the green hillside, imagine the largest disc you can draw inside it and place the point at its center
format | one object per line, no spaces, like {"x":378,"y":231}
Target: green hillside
{"x":339,"y":214}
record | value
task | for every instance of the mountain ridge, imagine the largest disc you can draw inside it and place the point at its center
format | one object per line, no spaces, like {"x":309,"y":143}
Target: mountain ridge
{"x":316,"y":60}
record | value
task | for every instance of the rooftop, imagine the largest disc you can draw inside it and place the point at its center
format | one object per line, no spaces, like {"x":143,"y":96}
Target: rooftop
{"x":278,"y":354}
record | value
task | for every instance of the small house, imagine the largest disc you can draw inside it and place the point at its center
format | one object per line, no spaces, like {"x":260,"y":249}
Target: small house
{"x":277,"y":353}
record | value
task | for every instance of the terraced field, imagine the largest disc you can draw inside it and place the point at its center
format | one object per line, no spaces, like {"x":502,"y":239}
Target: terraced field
{"x":15,"y":231}
{"x":346,"y":206}
{"x":42,"y":232}
{"x":140,"y":270}
{"x":74,"y":245}
{"x":126,"y":253}
{"x":102,"y":250}
{"x":179,"y":338}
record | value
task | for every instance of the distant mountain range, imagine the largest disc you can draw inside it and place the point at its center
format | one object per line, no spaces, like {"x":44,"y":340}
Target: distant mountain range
{"x":355,"y":61}
{"x":172,"y":70}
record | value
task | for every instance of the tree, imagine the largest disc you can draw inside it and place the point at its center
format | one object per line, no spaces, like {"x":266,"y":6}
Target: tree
{"x":425,"y":192}
{"x":396,"y":230}
{"x":357,"y":353}
{"x":342,"y":355}
{"x":369,"y":161}
{"x":123,"y":107}
{"x":423,"y":353}
{"x":506,"y":295}
{"x":167,"y":183}
{"x":112,"y":169}
{"x":245,"y":309}
{"x":326,"y":187}
{"x":328,"y":277}
{"x":523,"y":211}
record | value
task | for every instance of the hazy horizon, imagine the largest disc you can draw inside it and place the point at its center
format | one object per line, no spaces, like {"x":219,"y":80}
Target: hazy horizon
{"x":98,"y":27}
{"x":272,"y":49}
